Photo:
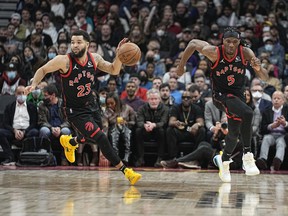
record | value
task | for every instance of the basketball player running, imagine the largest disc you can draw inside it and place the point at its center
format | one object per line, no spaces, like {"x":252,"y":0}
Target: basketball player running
{"x":77,"y":76}
{"x":229,"y":61}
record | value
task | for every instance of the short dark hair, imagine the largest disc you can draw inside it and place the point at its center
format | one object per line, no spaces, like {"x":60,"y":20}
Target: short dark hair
{"x":51,"y":89}
{"x":194,"y":88}
{"x":164,"y":85}
{"x":85,"y":35}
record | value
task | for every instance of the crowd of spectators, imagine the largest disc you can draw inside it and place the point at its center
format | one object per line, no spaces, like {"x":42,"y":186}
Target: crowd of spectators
{"x":39,"y":30}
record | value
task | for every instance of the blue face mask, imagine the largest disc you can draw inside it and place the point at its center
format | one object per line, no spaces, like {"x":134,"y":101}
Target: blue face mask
{"x":21,"y":98}
{"x":51,"y":55}
{"x":11,"y":74}
{"x":102,"y":100}
{"x":156,"y":57}
{"x":36,"y":93}
{"x":269,"y":47}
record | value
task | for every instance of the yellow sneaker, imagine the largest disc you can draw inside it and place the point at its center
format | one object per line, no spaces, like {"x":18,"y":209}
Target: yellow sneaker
{"x":132,"y":176}
{"x":69,"y":150}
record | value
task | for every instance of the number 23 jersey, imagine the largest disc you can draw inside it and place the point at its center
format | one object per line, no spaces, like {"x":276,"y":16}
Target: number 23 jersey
{"x":78,"y":81}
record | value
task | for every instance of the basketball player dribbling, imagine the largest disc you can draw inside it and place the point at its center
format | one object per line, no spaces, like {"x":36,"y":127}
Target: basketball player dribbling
{"x":77,"y":71}
{"x":229,"y":61}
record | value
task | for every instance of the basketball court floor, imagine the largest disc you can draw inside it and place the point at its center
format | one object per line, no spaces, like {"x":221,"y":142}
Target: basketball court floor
{"x":104,"y":191}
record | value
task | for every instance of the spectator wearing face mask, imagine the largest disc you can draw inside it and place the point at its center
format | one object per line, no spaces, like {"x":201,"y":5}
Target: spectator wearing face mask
{"x":258,"y":100}
{"x":10,"y":80}
{"x":20,"y":121}
{"x":276,"y":53}
{"x":53,"y":78}
{"x":36,"y":96}
{"x":51,"y":118}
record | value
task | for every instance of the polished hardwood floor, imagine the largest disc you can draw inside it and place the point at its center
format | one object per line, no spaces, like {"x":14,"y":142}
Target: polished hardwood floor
{"x":69,"y":191}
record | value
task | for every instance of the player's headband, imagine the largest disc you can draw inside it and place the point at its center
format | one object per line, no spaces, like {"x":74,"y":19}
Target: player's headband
{"x":231,"y":34}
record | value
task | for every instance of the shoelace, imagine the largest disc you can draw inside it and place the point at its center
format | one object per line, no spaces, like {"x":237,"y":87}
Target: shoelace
{"x":249,"y":161}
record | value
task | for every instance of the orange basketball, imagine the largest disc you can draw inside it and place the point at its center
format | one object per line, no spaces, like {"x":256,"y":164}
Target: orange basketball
{"x":129,"y":54}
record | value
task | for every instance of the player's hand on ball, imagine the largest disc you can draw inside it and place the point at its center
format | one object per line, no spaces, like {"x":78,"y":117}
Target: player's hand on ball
{"x":255,"y":63}
{"x":123,"y":41}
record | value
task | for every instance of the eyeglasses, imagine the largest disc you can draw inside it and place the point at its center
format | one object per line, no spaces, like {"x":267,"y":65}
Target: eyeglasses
{"x":186,"y":97}
{"x":256,"y":90}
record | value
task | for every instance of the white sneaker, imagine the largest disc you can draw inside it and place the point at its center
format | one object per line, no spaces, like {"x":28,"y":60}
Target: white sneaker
{"x":249,"y":164}
{"x":224,"y":172}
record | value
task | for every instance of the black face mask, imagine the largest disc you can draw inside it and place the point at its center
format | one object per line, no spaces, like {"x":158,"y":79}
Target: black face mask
{"x":143,"y":78}
{"x":46,"y":101}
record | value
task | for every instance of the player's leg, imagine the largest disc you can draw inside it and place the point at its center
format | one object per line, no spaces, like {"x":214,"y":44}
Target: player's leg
{"x":242,"y":112}
{"x":88,"y":130}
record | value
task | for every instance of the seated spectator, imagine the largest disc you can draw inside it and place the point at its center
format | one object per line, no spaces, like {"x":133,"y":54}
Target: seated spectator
{"x":151,"y":121}
{"x":140,"y":92}
{"x":257,"y":117}
{"x":20,"y":121}
{"x":31,"y":63}
{"x":186,"y":123}
{"x":102,"y":97}
{"x":174,"y":92}
{"x":121,"y":118}
{"x":132,"y":100}
{"x":215,"y":122}
{"x":276,"y":53}
{"x":196,"y":96}
{"x":112,"y":85}
{"x":205,"y":90}
{"x":36,"y":96}
{"x":145,"y":79}
{"x":156,"y":82}
{"x":273,"y":129}
{"x":258,"y":100}
{"x":152,"y":56}
{"x":51,"y":119}
{"x":166,"y":98}
{"x":10,"y":80}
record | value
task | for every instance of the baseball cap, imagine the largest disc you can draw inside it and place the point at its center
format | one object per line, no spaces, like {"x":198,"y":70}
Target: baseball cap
{"x":186,"y":30}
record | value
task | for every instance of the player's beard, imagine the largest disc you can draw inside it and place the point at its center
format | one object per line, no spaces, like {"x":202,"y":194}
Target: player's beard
{"x":79,"y":54}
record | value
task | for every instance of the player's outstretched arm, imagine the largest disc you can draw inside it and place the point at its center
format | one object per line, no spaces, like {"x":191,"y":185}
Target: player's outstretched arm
{"x":60,"y":62}
{"x":255,"y":64}
{"x":108,"y":67}
{"x":201,"y":46}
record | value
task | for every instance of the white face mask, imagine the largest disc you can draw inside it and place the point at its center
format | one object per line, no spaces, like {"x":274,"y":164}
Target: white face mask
{"x":156,"y":57}
{"x":102,"y":100}
{"x":160,"y":32}
{"x":21,"y":98}
{"x":257,"y":95}
{"x":269,"y":47}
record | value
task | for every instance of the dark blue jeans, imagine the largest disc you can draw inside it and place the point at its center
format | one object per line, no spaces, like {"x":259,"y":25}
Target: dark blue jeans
{"x":7,"y":136}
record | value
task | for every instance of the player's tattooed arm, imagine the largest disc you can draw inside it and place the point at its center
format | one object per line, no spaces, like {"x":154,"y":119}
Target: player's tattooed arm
{"x":108,"y":67}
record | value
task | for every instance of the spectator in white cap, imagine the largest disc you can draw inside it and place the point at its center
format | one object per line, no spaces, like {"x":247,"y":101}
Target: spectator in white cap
{"x":21,"y":32}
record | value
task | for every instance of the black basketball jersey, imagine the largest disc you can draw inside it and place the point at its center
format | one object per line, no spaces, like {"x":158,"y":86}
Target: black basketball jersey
{"x":77,"y":83}
{"x":228,"y":75}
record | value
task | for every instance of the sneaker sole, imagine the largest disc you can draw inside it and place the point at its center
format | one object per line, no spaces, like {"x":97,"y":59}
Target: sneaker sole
{"x":252,"y":174}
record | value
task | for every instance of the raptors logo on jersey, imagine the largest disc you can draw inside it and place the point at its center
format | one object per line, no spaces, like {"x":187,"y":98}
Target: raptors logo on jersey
{"x":89,"y":126}
{"x":78,"y":81}
{"x":228,"y":75}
